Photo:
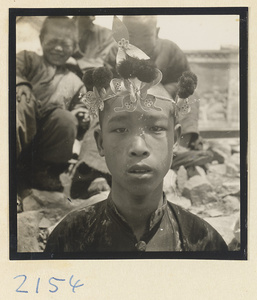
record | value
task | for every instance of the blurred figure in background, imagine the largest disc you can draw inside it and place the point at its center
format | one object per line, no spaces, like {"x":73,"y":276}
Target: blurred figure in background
{"x":47,"y":98}
{"x":90,"y":173}
{"x":94,"y":43}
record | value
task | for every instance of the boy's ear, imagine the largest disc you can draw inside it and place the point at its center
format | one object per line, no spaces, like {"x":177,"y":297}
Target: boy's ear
{"x":99,"y":141}
{"x":177,"y":134}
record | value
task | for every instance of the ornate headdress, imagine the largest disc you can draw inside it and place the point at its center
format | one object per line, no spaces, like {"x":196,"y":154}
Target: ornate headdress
{"x":138,"y":77}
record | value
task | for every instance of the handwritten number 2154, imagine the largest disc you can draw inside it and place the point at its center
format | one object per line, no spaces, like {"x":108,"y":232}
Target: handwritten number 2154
{"x":52,"y":281}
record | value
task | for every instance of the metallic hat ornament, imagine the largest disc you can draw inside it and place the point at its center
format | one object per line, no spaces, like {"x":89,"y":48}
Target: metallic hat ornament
{"x":121,"y":36}
{"x":138,"y":76}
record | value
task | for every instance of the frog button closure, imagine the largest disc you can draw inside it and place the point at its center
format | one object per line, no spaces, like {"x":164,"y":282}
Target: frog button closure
{"x":141,"y":246}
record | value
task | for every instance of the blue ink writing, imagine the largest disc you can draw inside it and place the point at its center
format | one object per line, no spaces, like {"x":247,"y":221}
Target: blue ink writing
{"x":37,"y":285}
{"x":56,"y":288}
{"x":18,"y":289}
{"x":54,"y":284}
{"x":75,"y":285}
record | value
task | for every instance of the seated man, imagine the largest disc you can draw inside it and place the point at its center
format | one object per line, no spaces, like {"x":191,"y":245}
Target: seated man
{"x":46,"y":93}
{"x":136,"y":136}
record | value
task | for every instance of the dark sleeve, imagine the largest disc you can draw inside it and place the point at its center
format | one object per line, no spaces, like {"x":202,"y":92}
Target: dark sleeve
{"x":26,"y":67}
{"x":66,"y":235}
{"x":197,"y":234}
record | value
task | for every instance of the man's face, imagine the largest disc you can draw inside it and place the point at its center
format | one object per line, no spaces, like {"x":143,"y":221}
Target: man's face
{"x":137,"y":146}
{"x":58,"y":45}
{"x":142,"y":36}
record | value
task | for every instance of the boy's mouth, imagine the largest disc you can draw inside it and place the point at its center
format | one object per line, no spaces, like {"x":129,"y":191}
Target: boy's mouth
{"x":139,"y":169}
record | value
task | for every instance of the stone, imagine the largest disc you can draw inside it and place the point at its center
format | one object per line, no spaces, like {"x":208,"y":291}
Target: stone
{"x":215,"y":179}
{"x":28,"y":231}
{"x":192,"y":158}
{"x":79,"y":203}
{"x":169,"y":182}
{"x":222,"y":145}
{"x":214,"y":212}
{"x":235,"y":149}
{"x":45,"y":199}
{"x":197,"y":210}
{"x":195,"y":170}
{"x":182,"y":178}
{"x":44,"y":223}
{"x":230,"y":187}
{"x":236,"y":230}
{"x":179,"y":200}
{"x":199,"y":190}
{"x":219,"y":155}
{"x":232,"y":169}
{"x":235,"y":158}
{"x":200,"y":171}
{"x":231,"y":203}
{"x":221,"y":150}
{"x":217,"y":168}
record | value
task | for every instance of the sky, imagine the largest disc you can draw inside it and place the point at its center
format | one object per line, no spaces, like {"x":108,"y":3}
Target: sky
{"x":194,"y":32}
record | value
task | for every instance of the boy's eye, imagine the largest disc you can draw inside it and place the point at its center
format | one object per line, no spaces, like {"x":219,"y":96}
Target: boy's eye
{"x":157,"y":129}
{"x":120,"y":130}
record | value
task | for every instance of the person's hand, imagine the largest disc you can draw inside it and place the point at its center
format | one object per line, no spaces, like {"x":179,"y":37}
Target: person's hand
{"x":83,"y":117}
{"x":23,"y":92}
{"x":81,"y":113}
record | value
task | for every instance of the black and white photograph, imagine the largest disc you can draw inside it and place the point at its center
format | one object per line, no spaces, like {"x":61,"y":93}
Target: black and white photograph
{"x":128,"y":137}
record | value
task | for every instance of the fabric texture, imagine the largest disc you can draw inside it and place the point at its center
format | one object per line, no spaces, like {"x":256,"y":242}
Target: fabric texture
{"x":52,"y":86}
{"x":93,"y":47}
{"x":101,"y":228}
{"x":47,"y":117}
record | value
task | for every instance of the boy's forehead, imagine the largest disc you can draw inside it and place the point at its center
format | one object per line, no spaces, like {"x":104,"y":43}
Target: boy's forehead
{"x":166,"y":111}
{"x":163,"y":106}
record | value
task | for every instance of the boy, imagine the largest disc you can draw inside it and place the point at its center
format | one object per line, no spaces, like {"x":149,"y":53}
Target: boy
{"x":46,"y":94}
{"x":136,"y":136}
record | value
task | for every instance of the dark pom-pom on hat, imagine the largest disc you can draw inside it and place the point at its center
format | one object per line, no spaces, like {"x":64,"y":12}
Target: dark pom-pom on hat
{"x":102,"y":77}
{"x":88,"y":79}
{"x":98,"y":77}
{"x":145,"y":72}
{"x":126,"y":69}
{"x":133,"y":67}
{"x":187,"y":84}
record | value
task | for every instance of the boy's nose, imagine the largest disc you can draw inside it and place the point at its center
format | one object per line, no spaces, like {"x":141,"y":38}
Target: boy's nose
{"x":138,"y":147}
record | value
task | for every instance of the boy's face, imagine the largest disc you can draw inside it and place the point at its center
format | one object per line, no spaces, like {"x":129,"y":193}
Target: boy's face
{"x":137,"y":146}
{"x":58,"y":45}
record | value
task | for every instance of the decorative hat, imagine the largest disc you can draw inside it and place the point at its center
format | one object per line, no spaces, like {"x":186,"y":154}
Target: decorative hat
{"x":138,"y":77}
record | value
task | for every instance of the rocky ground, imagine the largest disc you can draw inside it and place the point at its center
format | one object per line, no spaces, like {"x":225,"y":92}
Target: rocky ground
{"x":211,"y":191}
